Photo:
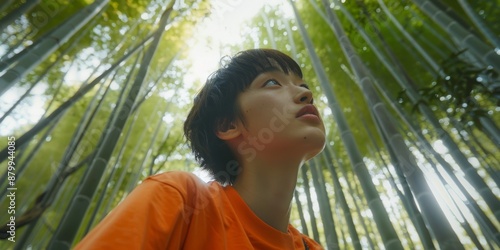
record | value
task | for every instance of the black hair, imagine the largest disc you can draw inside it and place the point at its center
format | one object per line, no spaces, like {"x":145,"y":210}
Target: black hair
{"x":215,"y":107}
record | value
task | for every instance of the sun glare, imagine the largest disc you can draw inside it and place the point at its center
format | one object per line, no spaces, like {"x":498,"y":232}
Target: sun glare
{"x":214,"y":35}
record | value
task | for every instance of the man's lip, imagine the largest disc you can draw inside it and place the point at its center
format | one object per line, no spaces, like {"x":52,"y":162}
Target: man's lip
{"x":308,"y":109}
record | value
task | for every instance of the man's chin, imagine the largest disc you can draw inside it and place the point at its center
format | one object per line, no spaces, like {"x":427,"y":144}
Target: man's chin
{"x":315,"y":152}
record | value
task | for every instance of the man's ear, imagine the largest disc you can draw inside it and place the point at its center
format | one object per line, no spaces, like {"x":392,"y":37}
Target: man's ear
{"x":228,"y":130}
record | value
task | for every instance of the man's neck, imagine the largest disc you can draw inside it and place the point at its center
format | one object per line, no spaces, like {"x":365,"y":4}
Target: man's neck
{"x":268,"y":190}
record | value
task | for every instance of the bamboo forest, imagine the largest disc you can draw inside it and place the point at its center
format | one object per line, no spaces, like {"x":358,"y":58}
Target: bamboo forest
{"x":94,"y":94}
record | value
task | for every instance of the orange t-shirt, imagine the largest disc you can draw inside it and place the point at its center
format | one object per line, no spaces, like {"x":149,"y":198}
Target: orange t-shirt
{"x":177,"y":210}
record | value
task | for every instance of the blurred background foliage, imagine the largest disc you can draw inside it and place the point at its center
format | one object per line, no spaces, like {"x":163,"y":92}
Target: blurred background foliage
{"x":437,"y":79}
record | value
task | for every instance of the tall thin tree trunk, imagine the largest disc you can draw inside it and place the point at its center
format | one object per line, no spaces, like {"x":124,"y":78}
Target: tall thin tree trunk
{"x":339,"y":194}
{"x":435,"y":218}
{"x":71,"y":220}
{"x":113,"y":170}
{"x":477,"y":212}
{"x":56,"y":182}
{"x":407,"y":198}
{"x":384,"y":225}
{"x":136,"y":176}
{"x":488,"y":125}
{"x":312,"y":216}
{"x":15,"y":14}
{"x":351,"y":191}
{"x":78,"y":95}
{"x":24,"y":164}
{"x":47,"y":70}
{"x":28,"y":91}
{"x":39,"y":53}
{"x":488,"y":55}
{"x":303,"y":223}
{"x":127,"y":166}
{"x":441,"y":37}
{"x":15,"y":46}
{"x":411,"y":40}
{"x":325,"y":208}
{"x":406,"y":83}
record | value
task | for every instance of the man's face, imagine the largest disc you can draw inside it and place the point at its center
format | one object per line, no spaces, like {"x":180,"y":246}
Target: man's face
{"x":279,"y":118}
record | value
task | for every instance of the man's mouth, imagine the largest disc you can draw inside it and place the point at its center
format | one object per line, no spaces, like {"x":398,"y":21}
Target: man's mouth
{"x":309,"y":109}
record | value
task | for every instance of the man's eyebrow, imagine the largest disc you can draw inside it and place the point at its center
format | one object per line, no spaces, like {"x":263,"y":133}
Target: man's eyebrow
{"x":271,"y":69}
{"x":305,"y":84}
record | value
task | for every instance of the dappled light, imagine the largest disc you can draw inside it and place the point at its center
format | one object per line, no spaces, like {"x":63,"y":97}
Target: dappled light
{"x":94,"y":94}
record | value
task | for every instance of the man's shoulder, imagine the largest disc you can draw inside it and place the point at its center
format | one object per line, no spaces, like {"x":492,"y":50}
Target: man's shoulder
{"x":181,"y":180}
{"x":176,"y":177}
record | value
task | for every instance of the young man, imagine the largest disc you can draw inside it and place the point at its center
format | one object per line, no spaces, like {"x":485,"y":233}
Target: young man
{"x":253,"y":125}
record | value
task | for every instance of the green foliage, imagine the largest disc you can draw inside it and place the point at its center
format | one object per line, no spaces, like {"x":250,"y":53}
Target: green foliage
{"x":463,"y":92}
{"x":468,"y":92}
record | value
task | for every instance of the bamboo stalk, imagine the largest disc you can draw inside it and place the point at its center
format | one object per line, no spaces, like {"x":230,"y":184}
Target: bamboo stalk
{"x":384,"y":225}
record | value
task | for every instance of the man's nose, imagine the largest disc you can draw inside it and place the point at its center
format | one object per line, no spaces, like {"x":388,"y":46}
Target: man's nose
{"x":304,"y":96}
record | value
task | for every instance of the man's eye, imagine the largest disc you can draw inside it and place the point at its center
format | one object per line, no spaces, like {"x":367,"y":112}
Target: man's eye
{"x":272,"y":82}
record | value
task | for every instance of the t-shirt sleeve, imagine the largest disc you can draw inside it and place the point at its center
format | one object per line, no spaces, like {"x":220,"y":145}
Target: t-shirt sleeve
{"x":153,"y":216}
